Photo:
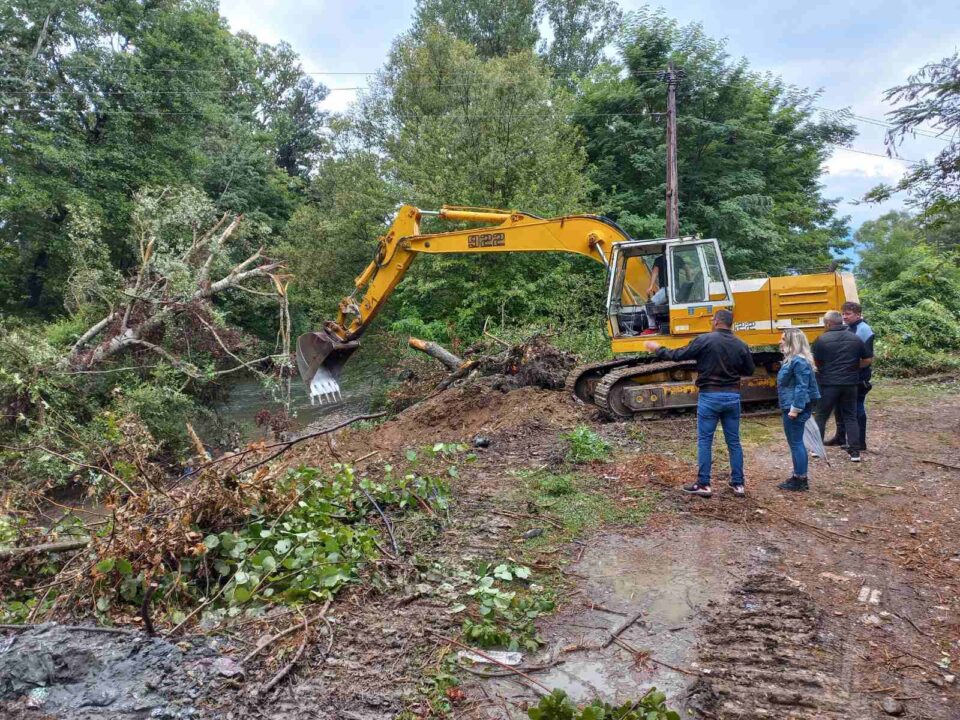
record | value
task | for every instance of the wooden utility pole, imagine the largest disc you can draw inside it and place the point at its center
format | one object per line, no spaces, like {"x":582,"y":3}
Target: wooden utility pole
{"x":673,"y":199}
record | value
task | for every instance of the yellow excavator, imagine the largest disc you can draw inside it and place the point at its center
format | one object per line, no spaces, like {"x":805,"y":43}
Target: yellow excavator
{"x":687,"y":273}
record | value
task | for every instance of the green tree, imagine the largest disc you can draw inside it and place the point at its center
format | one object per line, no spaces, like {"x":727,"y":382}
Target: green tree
{"x":581,"y":30}
{"x":494,"y":27}
{"x":930,"y":97}
{"x":886,"y":246}
{"x":100,"y":99}
{"x":750,"y":149}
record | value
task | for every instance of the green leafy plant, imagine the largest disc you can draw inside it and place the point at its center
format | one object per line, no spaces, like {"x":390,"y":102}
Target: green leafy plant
{"x":505,"y":617}
{"x":585,"y":445}
{"x":557,"y":706}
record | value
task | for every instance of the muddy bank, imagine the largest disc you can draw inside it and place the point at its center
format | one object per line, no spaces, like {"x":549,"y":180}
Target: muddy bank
{"x":73,"y":673}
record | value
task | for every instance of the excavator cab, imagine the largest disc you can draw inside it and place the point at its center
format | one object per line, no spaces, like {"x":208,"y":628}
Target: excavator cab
{"x":688,"y":283}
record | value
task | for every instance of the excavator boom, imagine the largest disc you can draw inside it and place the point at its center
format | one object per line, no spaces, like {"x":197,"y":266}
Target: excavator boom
{"x":322,"y":354}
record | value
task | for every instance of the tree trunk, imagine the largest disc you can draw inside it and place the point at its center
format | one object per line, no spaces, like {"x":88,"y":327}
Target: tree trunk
{"x":437,"y":352}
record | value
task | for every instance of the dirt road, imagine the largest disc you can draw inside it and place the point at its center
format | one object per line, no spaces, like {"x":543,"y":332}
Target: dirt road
{"x":835,"y":603}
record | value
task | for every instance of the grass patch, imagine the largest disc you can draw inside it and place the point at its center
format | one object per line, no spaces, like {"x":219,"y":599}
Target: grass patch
{"x":583,"y":502}
{"x":584,"y":445}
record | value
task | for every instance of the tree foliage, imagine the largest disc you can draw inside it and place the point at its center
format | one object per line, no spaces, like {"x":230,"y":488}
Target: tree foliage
{"x":98,"y":100}
{"x":750,"y":149}
{"x":930,"y":97}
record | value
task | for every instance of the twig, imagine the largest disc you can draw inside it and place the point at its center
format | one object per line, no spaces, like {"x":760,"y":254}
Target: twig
{"x":145,"y":608}
{"x":644,"y":656}
{"x":948,"y":466}
{"x":52,"y":547}
{"x":386,"y":521}
{"x":556,"y":523}
{"x":621,"y":628}
{"x":806,"y":524}
{"x":535,"y":668}
{"x":285,"y":670}
{"x":289,"y":444}
{"x":284,"y":444}
{"x":489,"y":659}
{"x":283,"y":633}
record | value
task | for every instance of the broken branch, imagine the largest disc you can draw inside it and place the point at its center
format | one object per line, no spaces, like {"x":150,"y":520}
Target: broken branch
{"x":52,"y":547}
{"x":437,"y":352}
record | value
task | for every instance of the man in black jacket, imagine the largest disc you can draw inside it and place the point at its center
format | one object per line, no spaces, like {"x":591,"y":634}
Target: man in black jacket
{"x":839,"y":356}
{"x":722,"y":359}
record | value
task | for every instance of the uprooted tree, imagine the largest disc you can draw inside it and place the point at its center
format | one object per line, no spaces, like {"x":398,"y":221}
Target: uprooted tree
{"x":180,"y":249}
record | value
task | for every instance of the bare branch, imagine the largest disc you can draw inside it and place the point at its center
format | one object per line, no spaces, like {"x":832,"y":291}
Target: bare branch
{"x":91,"y":333}
{"x":182,"y":365}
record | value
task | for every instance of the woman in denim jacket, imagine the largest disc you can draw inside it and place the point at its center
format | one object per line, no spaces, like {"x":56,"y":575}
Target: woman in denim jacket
{"x":797,"y":390}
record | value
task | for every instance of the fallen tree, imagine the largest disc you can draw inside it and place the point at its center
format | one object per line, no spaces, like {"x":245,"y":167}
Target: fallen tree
{"x":173,"y":281}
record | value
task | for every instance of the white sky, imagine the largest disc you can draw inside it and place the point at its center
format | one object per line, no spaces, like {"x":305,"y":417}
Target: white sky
{"x":853,"y":51}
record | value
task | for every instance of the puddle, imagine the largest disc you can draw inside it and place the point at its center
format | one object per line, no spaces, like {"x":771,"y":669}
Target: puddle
{"x":671,"y":578}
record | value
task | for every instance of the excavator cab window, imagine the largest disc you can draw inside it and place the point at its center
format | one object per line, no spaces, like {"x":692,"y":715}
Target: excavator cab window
{"x":632,"y":287}
{"x":698,"y":276}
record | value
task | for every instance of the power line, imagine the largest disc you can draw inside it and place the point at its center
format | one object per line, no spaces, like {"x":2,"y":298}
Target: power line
{"x":681,"y":118}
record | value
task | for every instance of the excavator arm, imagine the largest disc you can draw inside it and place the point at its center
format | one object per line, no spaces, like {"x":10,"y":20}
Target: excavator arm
{"x":321,"y":355}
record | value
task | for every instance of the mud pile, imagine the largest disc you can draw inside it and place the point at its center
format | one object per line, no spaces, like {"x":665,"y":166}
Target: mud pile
{"x":76,"y":674}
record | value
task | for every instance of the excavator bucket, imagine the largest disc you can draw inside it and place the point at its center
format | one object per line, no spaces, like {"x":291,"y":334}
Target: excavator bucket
{"x":320,"y":359}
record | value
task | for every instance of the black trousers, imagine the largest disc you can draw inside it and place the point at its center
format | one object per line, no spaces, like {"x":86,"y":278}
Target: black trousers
{"x":862,"y":389}
{"x":843,"y":399}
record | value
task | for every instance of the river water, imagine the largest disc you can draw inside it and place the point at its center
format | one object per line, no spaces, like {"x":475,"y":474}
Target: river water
{"x":248,"y":395}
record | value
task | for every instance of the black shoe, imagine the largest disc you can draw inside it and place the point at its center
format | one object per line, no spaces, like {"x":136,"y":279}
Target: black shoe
{"x":834,"y":442}
{"x":698,"y":489}
{"x":795,"y":484}
{"x":854,"y":455}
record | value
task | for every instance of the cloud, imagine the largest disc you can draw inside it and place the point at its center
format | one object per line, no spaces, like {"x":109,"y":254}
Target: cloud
{"x":849,"y":162}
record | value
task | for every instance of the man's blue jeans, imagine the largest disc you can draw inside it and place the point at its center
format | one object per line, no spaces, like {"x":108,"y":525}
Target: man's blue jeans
{"x":722,"y":407}
{"x":793,"y":429}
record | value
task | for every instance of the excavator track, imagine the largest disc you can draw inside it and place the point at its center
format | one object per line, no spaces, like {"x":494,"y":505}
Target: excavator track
{"x":609,"y":390}
{"x":648,"y":388}
{"x":583,"y":379}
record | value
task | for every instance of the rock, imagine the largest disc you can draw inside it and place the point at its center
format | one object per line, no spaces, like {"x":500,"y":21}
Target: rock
{"x":913,"y":531}
{"x":949,"y":679}
{"x":530,"y":534}
{"x":892,"y":706}
{"x":481,"y":442}
{"x":871,"y":620}
{"x":227,"y":667}
{"x":99,"y":697}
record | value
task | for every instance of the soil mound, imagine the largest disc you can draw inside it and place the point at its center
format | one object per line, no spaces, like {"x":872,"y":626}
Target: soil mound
{"x":480,"y":407}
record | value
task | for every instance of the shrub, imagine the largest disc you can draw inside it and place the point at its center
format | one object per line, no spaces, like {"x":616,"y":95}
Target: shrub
{"x":556,"y":706}
{"x":927,"y":325}
{"x":586,"y":445}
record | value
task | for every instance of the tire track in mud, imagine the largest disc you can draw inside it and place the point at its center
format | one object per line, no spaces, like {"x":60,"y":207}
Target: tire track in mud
{"x":770,"y":654}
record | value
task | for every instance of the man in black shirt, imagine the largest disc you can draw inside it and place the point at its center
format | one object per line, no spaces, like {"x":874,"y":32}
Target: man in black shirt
{"x":852,"y":313}
{"x":722,"y":359}
{"x":839,"y":356}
